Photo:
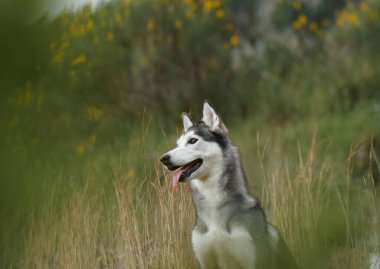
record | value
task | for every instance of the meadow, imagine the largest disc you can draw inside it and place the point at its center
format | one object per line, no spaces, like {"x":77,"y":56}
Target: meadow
{"x":116,"y":217}
{"x":93,"y":97}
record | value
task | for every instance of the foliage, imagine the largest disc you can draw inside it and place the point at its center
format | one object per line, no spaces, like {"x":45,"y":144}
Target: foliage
{"x":75,"y":89}
{"x":106,"y":66}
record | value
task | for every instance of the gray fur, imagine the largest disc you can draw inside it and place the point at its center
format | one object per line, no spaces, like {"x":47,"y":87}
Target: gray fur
{"x":237,"y":209}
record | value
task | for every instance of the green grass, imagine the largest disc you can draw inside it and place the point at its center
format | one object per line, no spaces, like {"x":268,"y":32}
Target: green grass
{"x":123,"y":213}
{"x":81,"y":185}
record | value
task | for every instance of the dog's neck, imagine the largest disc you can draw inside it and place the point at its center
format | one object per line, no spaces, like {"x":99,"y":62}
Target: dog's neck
{"x":208,"y":191}
{"x":225,"y":181}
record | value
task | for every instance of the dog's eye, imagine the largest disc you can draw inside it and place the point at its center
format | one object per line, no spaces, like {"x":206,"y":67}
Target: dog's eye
{"x":192,"y":141}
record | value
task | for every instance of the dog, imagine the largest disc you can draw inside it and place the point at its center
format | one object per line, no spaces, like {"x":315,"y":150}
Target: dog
{"x":230,"y":230}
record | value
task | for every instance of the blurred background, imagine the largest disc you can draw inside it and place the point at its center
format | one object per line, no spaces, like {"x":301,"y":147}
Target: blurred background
{"x":90,"y":86}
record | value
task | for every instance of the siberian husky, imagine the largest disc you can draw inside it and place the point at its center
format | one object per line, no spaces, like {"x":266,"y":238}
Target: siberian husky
{"x":230,"y":230}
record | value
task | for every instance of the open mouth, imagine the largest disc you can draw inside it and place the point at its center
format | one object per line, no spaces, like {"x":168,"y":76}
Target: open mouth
{"x":185,"y":171}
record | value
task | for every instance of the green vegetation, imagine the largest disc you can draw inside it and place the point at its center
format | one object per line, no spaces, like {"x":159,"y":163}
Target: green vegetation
{"x":89,"y":101}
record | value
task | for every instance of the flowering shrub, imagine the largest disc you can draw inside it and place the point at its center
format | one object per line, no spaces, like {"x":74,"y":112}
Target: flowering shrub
{"x":313,"y":19}
{"x":107,"y":65}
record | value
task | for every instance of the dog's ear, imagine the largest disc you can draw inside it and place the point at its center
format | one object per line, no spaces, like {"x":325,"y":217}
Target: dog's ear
{"x":187,"y":122}
{"x":212,"y":120}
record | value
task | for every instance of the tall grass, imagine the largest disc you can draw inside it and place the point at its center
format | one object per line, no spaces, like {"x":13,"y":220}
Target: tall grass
{"x":89,"y":230}
{"x":327,"y":220}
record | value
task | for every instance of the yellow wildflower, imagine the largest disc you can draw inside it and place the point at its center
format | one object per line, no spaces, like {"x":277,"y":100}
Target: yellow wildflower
{"x":78,"y":30}
{"x":346,"y":18}
{"x":220,"y":13}
{"x":363,"y":6}
{"x":340,"y":19}
{"x":79,"y":60}
{"x":178,"y":24}
{"x":313,"y":27}
{"x":64,"y":44}
{"x":118,"y":18}
{"x":301,"y":21}
{"x":93,"y":112}
{"x":127,"y":3}
{"x":354,"y":19}
{"x":90,"y":25}
{"x":79,"y":149}
{"x":130,"y":173}
{"x":58,"y":57}
{"x":74,"y":30}
{"x":27,"y":97}
{"x":234,"y":40}
{"x":296,"y":25}
{"x":150,"y":25}
{"x":110,"y":36}
{"x":211,"y":4}
{"x":86,"y":11}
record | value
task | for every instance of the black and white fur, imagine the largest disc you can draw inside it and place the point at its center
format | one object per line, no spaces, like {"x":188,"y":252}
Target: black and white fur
{"x":231,"y":230}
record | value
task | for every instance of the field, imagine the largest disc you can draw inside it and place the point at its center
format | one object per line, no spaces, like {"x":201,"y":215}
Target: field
{"x":97,"y":98}
{"x":116,"y":217}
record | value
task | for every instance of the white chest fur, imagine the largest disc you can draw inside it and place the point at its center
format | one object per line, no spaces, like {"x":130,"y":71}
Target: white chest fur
{"x":220,"y":249}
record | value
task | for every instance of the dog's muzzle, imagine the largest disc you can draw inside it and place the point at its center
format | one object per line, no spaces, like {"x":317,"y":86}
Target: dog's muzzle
{"x":165,"y":159}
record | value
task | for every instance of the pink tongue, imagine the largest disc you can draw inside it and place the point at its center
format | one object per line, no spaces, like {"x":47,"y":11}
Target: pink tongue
{"x":176,"y":177}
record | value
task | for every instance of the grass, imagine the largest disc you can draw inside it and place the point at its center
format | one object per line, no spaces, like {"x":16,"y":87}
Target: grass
{"x":123,"y":218}
{"x":81,"y":186}
{"x":126,"y":231}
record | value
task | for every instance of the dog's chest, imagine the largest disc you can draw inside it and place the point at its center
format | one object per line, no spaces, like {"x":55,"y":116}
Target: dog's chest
{"x":219,"y":248}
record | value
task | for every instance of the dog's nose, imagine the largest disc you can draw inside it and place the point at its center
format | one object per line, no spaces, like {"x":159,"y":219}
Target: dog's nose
{"x":165,"y":158}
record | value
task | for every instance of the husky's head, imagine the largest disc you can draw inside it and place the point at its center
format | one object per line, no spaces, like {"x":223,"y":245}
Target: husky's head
{"x":199,"y":149}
